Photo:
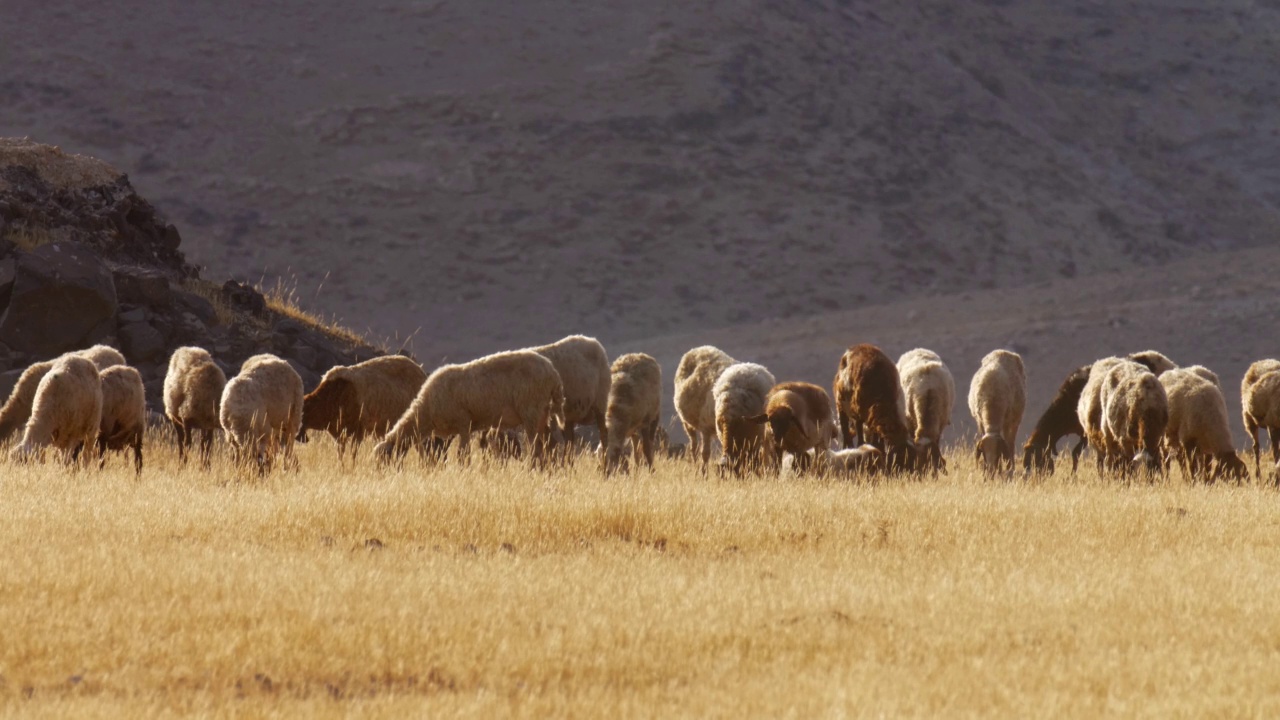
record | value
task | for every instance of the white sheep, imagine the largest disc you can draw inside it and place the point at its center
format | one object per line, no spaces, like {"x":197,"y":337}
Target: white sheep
{"x":584,"y":372}
{"x":997,"y":400}
{"x":862,"y":460}
{"x":517,"y":389}
{"x":740,"y":395}
{"x":635,"y":399}
{"x":66,"y":411}
{"x":124,"y":413}
{"x":1089,"y":409}
{"x":17,"y":409}
{"x":353,"y":402}
{"x":1135,"y":413}
{"x":1198,"y":433}
{"x":695,"y":378}
{"x":929,"y":394}
{"x":261,"y":411}
{"x":193,"y":389}
{"x":1260,"y":406}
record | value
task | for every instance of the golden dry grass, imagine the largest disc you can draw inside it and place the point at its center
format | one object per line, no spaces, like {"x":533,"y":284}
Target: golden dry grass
{"x":491,"y":591}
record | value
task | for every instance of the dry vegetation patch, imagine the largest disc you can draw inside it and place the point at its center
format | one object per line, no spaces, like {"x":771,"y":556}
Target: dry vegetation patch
{"x":492,"y":591}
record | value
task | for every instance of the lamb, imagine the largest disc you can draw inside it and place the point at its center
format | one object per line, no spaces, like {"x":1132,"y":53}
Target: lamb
{"x":868,"y":395}
{"x":66,"y":411}
{"x":584,"y":371}
{"x":861,"y":460}
{"x":997,"y":399}
{"x":261,"y":411}
{"x":192,"y":391}
{"x":516,"y":389}
{"x":1260,"y":402}
{"x":1198,"y":433}
{"x":17,"y":410}
{"x":353,"y":402}
{"x":740,"y":394}
{"x":930,"y":394}
{"x":695,"y":378}
{"x":1058,"y":421}
{"x":800,"y":419}
{"x":1135,"y":414}
{"x":124,"y":413}
{"x":635,"y":393}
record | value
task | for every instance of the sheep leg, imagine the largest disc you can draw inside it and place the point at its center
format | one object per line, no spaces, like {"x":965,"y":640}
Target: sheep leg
{"x":1076,"y":452}
{"x":206,"y":448}
{"x":137,"y":452}
{"x":1251,"y":427}
{"x":648,"y":438}
{"x":184,"y":442}
{"x":102,"y":451}
{"x":695,"y":446}
{"x":464,"y":448}
{"x":845,"y":437}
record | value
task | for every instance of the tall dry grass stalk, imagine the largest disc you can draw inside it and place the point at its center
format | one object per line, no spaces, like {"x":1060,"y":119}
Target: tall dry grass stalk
{"x":490,"y":591}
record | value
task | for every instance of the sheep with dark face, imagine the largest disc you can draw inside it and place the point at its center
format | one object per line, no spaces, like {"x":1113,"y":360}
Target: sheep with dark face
{"x":930,"y":394}
{"x":800,"y":420}
{"x":871,"y":406}
{"x":997,"y":399}
{"x":1058,"y":421}
{"x":192,"y":393}
{"x":1197,"y":433}
{"x":695,"y":379}
{"x":363,"y":400}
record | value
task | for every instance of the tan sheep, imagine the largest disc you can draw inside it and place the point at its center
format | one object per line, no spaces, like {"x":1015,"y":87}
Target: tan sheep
{"x":1135,"y":413}
{"x":192,"y":392}
{"x":740,"y":394}
{"x":261,"y":411}
{"x":1203,"y":372}
{"x":353,"y":402}
{"x":1154,"y":361}
{"x":1198,"y":433}
{"x":695,"y":378}
{"x":1260,"y":406}
{"x":66,"y":411}
{"x":124,"y":413}
{"x":1089,"y":408}
{"x":17,"y":410}
{"x":517,"y":389}
{"x":997,"y":400}
{"x":584,"y":371}
{"x":801,"y":418}
{"x":929,"y":392}
{"x":635,"y":400}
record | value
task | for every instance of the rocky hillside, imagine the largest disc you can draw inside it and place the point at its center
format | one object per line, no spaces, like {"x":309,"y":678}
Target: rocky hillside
{"x":84,"y":259}
{"x":495,"y":174}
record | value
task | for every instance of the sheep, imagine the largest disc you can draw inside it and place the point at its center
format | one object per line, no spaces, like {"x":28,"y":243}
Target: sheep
{"x":353,"y":402}
{"x":930,"y":393}
{"x":66,"y":411}
{"x":515,"y":389}
{"x":1089,"y":408}
{"x":634,"y":403}
{"x":1058,"y":421}
{"x":584,"y":371}
{"x":261,"y":411}
{"x":997,"y":399}
{"x":1204,"y":372}
{"x":695,"y":378}
{"x":1135,"y":412}
{"x":739,"y":394}
{"x":1157,"y":363}
{"x":861,"y":460}
{"x":124,"y":413}
{"x":800,"y":419}
{"x":17,"y":410}
{"x":868,"y":395}
{"x":1197,"y":432}
{"x":1260,"y":404}
{"x":192,"y":391}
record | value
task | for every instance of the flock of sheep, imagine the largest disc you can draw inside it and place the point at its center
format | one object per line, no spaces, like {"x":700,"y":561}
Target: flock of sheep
{"x":1140,"y":413}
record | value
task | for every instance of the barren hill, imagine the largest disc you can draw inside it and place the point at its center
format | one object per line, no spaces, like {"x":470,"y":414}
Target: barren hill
{"x":501,"y":173}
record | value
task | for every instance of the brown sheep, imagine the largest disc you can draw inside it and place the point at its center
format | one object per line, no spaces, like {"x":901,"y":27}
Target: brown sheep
{"x":800,"y":419}
{"x":357,"y":401}
{"x":635,"y":399}
{"x":1058,"y":421}
{"x":871,"y":406}
{"x":1260,"y":402}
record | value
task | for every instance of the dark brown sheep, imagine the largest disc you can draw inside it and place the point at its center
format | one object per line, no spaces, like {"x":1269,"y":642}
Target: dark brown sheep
{"x":868,"y":394}
{"x":800,"y":419}
{"x":1057,"y":422}
{"x":356,"y":401}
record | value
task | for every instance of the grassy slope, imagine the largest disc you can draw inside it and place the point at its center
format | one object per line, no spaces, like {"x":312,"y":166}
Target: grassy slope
{"x":493,"y":592}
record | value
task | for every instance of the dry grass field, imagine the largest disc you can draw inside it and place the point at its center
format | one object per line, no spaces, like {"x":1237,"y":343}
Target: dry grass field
{"x":490,"y":591}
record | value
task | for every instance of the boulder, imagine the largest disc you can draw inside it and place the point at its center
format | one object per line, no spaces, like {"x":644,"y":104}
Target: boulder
{"x":142,"y":286}
{"x":197,"y":305}
{"x":141,"y":342}
{"x":63,"y":298}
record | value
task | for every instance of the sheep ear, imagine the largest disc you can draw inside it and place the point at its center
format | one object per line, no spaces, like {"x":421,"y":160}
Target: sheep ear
{"x":757,"y":419}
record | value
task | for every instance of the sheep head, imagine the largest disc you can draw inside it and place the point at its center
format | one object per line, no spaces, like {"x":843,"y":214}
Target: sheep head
{"x":991,"y":449}
{"x":328,"y":405}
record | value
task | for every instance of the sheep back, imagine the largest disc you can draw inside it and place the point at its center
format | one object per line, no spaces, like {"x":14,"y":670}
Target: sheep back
{"x":585,"y":374}
{"x":67,"y":408}
{"x":363,"y":399}
{"x":193,"y":389}
{"x":695,"y":380}
{"x":262,"y":406}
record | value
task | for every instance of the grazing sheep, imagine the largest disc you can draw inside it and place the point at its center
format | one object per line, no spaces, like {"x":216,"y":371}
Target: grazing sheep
{"x":1135,"y":413}
{"x":17,"y":410}
{"x":861,"y":460}
{"x":1260,"y":403}
{"x":1157,"y":363}
{"x":355,"y":401}
{"x":800,"y":419}
{"x":868,"y":395}
{"x":124,"y":413}
{"x":261,"y":411}
{"x":997,"y":399}
{"x":1089,"y":409}
{"x":695,"y":378}
{"x":1198,"y":433}
{"x":517,"y":389}
{"x":930,"y":394}
{"x":66,"y":411}
{"x":739,"y":396}
{"x":635,"y":400}
{"x":192,"y":391}
{"x":1203,"y":372}
{"x":584,"y":371}
{"x":1058,"y":421}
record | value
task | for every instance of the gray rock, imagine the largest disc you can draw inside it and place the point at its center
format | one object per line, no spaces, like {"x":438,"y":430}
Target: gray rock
{"x":133,"y":315}
{"x":143,"y":286}
{"x":8,"y":273}
{"x":62,"y":297}
{"x":305,"y":355}
{"x":197,"y":306}
{"x":8,"y":380}
{"x":289,"y":326}
{"x":141,"y":342}
{"x":309,"y":379}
